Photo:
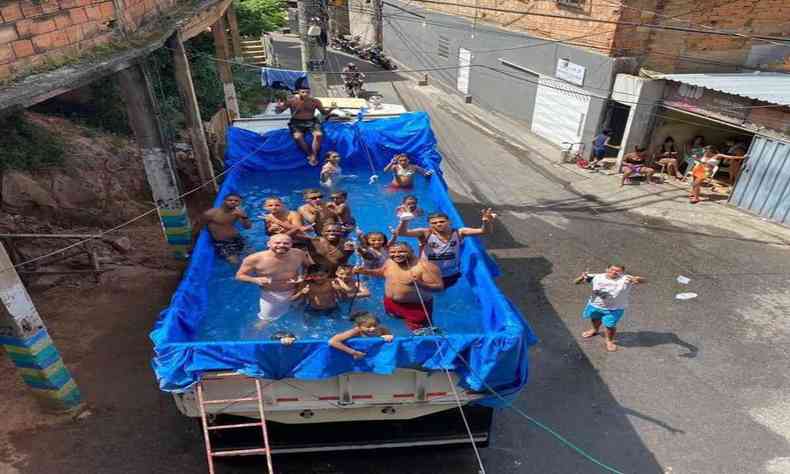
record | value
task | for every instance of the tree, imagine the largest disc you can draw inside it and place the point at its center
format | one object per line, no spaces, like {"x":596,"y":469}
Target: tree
{"x":259,"y":16}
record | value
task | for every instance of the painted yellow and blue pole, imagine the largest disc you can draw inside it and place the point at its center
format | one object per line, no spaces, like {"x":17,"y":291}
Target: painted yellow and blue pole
{"x":27,"y":343}
{"x":143,"y":113}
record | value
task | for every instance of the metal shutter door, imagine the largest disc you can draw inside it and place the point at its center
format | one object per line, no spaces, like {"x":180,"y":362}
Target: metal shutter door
{"x":764,"y":184}
{"x":560,"y":111}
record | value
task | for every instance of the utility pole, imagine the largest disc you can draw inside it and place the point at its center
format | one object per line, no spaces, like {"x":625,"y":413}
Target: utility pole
{"x":378,"y":22}
{"x":143,"y":112}
{"x":28,"y":345}
{"x":312,"y":31}
{"x":223,"y":67}
{"x":194,"y":121}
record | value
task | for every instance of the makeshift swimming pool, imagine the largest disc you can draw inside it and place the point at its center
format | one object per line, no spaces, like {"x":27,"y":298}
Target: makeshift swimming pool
{"x":210,"y":324}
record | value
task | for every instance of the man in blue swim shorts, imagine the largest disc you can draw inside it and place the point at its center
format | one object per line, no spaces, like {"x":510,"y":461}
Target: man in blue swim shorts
{"x":608,"y":301}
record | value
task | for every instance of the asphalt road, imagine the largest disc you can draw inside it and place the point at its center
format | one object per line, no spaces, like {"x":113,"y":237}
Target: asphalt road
{"x":699,"y":386}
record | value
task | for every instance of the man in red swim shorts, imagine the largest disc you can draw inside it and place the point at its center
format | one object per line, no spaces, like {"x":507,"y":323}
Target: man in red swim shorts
{"x":403,"y":273}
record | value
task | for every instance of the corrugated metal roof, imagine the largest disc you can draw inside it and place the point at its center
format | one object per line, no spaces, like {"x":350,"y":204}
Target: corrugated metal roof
{"x":771,"y":87}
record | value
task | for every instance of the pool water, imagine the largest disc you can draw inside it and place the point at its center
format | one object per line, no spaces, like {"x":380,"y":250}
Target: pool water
{"x":231,"y":313}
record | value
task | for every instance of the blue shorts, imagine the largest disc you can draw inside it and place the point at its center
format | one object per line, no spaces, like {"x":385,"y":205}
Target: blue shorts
{"x":610,"y":317}
{"x":598,"y":153}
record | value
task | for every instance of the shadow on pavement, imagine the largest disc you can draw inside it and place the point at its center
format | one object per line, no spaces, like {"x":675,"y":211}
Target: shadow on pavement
{"x":564,"y":392}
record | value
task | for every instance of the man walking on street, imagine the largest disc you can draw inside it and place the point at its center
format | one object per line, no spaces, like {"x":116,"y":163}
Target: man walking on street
{"x":608,"y":301}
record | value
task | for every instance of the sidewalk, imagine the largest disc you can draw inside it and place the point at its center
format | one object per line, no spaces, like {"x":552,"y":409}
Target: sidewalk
{"x":655,"y":202}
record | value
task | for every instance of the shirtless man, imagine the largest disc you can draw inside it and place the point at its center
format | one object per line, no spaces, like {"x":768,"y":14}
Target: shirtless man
{"x":403,"y":273}
{"x":303,"y":120}
{"x":441,"y":244}
{"x":276,"y":271}
{"x":280,"y":220}
{"x":331,"y":249}
{"x":635,"y":163}
{"x":314,"y":211}
{"x":220,"y":222}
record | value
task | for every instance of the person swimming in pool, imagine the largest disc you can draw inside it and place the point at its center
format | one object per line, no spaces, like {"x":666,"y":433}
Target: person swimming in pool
{"x":314,"y":211}
{"x":317,"y":290}
{"x":345,"y":285}
{"x":280,"y":220}
{"x":221,"y":221}
{"x":372,"y":247}
{"x":276,"y":271}
{"x":409,"y":284}
{"x":341,"y":210}
{"x":403,"y":171}
{"x":441,"y":243}
{"x":365,"y":325}
{"x":409,"y":208}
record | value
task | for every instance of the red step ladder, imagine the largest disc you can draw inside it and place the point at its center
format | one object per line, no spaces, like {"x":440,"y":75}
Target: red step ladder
{"x":211,"y":454}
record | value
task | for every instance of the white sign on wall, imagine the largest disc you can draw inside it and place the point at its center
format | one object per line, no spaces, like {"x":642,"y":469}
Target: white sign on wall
{"x":464,"y":63}
{"x":571,"y":72}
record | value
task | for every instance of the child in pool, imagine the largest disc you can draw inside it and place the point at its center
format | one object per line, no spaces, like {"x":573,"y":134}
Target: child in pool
{"x":365,"y":325}
{"x":373,"y":249}
{"x":409,"y":208}
{"x":403,"y":172}
{"x":342,"y":211}
{"x":317,"y":290}
{"x":345,"y":285}
{"x":331,"y":171}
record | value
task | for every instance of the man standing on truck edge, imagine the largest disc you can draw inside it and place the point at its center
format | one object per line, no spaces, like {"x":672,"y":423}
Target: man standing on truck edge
{"x":303,"y":120}
{"x":408,"y":284}
{"x":608,"y":301}
{"x":276,"y":271}
{"x":441,"y":244}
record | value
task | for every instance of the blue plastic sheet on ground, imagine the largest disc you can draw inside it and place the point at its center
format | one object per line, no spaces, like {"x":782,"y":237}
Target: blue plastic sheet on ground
{"x":498,"y":355}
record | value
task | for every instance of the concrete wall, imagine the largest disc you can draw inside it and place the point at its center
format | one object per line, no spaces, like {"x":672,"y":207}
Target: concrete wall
{"x":641,"y":95}
{"x":34,"y":35}
{"x":415,"y":42}
{"x":361,"y":15}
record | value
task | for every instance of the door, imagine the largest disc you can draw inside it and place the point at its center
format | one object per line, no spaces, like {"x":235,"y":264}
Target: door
{"x":560,"y":111}
{"x":764,"y":184}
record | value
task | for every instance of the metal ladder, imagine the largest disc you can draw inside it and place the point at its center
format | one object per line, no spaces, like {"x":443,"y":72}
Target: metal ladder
{"x":210,"y":454}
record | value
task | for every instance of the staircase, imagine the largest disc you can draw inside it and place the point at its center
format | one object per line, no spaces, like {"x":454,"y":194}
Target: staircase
{"x":252,"y":51}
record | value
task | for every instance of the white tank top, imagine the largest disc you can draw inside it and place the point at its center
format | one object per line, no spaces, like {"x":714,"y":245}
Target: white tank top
{"x":445,"y":255}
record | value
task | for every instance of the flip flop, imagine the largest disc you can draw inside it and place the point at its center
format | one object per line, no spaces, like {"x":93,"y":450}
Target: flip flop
{"x":588,"y":334}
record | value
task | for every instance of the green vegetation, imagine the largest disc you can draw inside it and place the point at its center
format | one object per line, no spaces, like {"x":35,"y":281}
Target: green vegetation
{"x":26,"y":146}
{"x":259,"y":16}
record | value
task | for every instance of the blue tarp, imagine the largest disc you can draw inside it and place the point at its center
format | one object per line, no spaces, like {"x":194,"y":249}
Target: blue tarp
{"x":498,"y":355}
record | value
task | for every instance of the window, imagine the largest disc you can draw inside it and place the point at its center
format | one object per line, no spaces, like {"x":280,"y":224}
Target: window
{"x":444,"y":47}
{"x":570,"y":3}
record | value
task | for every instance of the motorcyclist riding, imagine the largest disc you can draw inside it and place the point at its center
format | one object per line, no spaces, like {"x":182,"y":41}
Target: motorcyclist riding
{"x":353,"y":79}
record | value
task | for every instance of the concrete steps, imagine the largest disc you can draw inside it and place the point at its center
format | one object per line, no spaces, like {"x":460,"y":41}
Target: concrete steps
{"x":253,"y":52}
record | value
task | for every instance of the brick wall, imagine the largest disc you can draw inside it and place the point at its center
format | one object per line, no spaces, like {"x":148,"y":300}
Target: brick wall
{"x":656,"y":49}
{"x":36,"y":34}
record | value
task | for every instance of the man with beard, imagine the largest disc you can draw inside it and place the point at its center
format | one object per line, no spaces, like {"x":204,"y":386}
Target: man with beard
{"x":221,"y":221}
{"x":276,"y":271}
{"x":408,"y":284}
{"x":331,"y":249}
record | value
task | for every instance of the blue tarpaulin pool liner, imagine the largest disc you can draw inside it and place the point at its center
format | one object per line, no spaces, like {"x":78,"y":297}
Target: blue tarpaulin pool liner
{"x":498,"y":354}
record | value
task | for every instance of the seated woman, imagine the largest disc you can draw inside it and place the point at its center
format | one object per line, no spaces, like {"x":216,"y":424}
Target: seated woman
{"x":403,"y":172}
{"x":635,"y":163}
{"x":667,"y":157}
{"x":705,"y":167}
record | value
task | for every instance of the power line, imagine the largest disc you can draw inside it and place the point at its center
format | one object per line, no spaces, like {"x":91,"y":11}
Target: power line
{"x":569,"y":41}
{"x":611,"y":22}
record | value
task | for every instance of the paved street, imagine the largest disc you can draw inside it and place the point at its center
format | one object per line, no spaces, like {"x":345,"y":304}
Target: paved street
{"x":699,"y":386}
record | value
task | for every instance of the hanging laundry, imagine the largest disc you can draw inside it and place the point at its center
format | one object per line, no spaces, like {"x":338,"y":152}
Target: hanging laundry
{"x":283,"y":79}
